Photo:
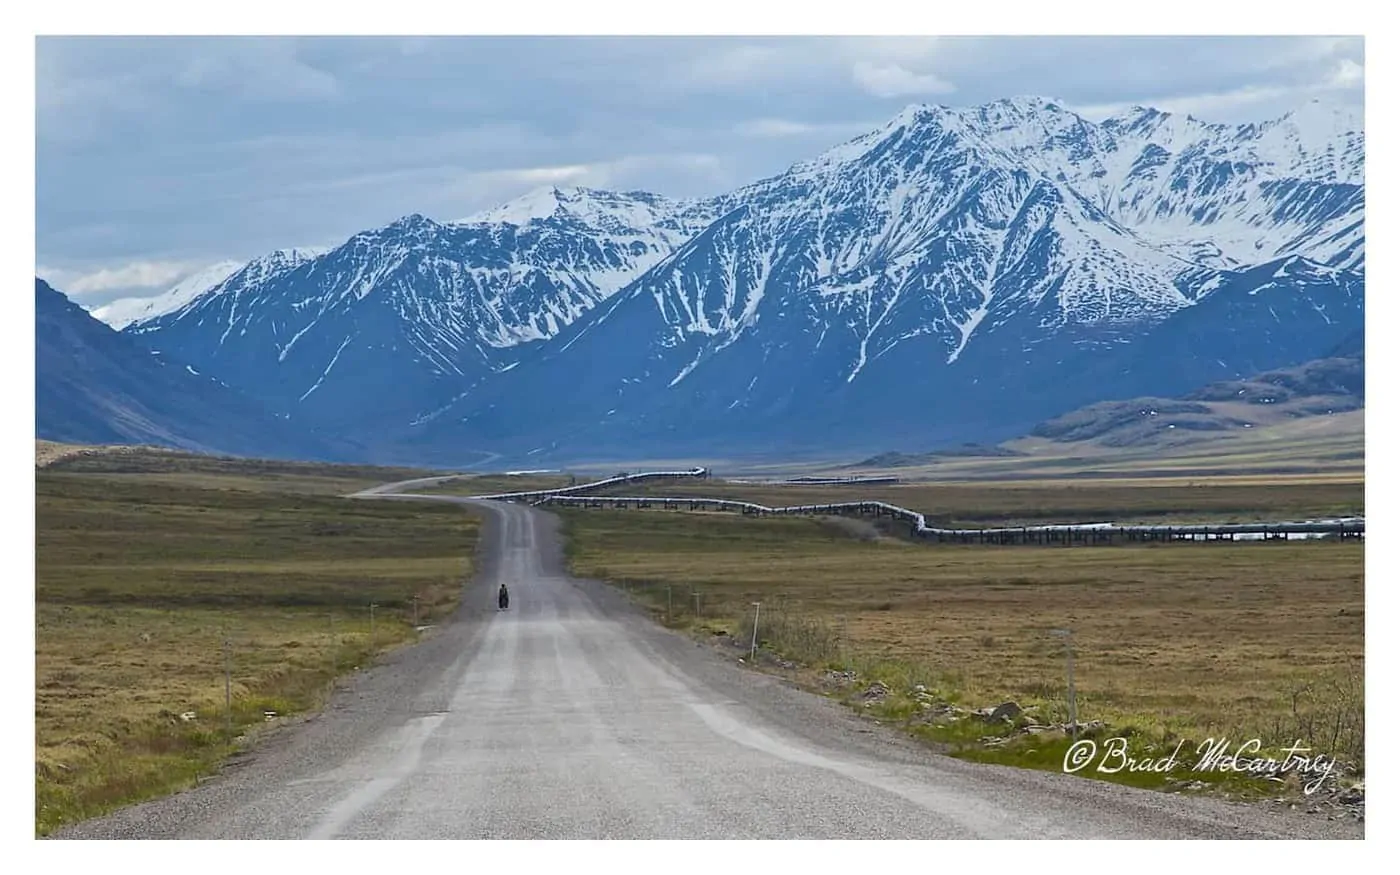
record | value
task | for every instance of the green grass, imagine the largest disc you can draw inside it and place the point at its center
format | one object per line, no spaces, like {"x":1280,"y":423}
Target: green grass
{"x":144,"y":572}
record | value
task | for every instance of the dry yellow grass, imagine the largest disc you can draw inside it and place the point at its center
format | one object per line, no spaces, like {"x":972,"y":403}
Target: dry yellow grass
{"x":1149,"y":500}
{"x":1197,"y":639}
{"x":114,"y":685}
{"x":142,"y":576}
{"x":492,"y":484}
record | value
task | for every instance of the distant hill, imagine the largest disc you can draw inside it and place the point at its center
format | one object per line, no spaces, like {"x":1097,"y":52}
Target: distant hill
{"x":96,"y":386}
{"x":1323,"y":387}
{"x":910,"y":460}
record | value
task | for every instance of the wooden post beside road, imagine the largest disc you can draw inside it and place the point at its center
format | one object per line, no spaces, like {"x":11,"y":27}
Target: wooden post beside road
{"x":753,"y":645}
{"x":228,"y":690}
{"x":1068,"y":636}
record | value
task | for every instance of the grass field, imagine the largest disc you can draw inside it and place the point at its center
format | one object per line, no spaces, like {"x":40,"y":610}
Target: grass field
{"x":147,"y":563}
{"x":492,"y":484}
{"x":1148,"y":500}
{"x":1185,"y":641}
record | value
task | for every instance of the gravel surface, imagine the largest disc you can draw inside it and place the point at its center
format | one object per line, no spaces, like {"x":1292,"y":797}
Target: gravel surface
{"x":571,"y":715}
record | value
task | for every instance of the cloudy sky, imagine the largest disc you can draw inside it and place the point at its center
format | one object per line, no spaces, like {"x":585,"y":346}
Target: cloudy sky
{"x":159,"y":156}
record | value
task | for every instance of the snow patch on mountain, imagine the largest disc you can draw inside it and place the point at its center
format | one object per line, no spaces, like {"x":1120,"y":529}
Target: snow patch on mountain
{"x":624,"y":214}
{"x":124,"y":311}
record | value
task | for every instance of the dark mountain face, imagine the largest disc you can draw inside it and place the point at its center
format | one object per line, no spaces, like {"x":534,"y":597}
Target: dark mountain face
{"x":956,"y":276}
{"x":798,"y":399}
{"x":1354,"y":344}
{"x":94,"y":385}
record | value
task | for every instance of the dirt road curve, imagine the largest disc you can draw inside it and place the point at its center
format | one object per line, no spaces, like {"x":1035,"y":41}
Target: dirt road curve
{"x":572,"y":716}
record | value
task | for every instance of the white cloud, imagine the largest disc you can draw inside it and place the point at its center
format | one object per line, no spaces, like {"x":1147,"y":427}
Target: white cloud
{"x":1347,"y":74}
{"x":134,"y":275}
{"x":257,"y":69}
{"x":893,"y":80}
{"x":737,"y":65}
{"x":1240,"y":104}
{"x":897,"y":49}
{"x":1218,"y":106}
{"x":778,"y":128}
{"x":803,"y":59}
{"x":772,"y":127}
{"x":488,"y":189}
{"x":397,"y":128}
{"x":548,"y":175}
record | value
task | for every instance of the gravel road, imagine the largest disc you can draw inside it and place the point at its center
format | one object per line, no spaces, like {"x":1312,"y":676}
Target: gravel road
{"x":571,"y":715}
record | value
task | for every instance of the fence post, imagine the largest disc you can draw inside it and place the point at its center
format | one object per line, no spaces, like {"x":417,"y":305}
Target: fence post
{"x":668,"y":603}
{"x":415,"y":613}
{"x":228,"y":691}
{"x":1068,"y":636}
{"x":371,"y":624}
{"x":753,"y":645}
{"x":697,"y":603}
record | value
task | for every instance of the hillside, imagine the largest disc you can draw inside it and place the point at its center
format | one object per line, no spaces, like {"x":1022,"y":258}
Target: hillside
{"x":96,"y":386}
{"x":1324,"y":387}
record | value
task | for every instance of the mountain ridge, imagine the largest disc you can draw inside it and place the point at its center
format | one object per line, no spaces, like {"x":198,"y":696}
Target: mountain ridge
{"x":972,"y":246}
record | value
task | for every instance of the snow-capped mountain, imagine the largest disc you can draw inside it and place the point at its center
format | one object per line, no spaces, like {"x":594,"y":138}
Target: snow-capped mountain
{"x":125,"y":311}
{"x":955,"y":272}
{"x":411,"y":314}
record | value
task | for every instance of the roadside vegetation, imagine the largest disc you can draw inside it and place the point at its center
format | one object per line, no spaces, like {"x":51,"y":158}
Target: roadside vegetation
{"x":156,"y":570}
{"x":1171,"y":641}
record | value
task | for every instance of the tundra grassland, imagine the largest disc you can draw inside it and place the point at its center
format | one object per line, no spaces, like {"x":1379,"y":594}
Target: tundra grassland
{"x":1033,"y":502}
{"x":495,"y":484}
{"x":1171,"y":641}
{"x":155,"y":570}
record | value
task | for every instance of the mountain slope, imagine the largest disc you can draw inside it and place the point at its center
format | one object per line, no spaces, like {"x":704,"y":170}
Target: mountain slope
{"x":915,"y":280}
{"x":95,"y":386}
{"x":410,"y":315}
{"x":956,"y":275}
{"x":1224,"y":196}
{"x":125,"y":311}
